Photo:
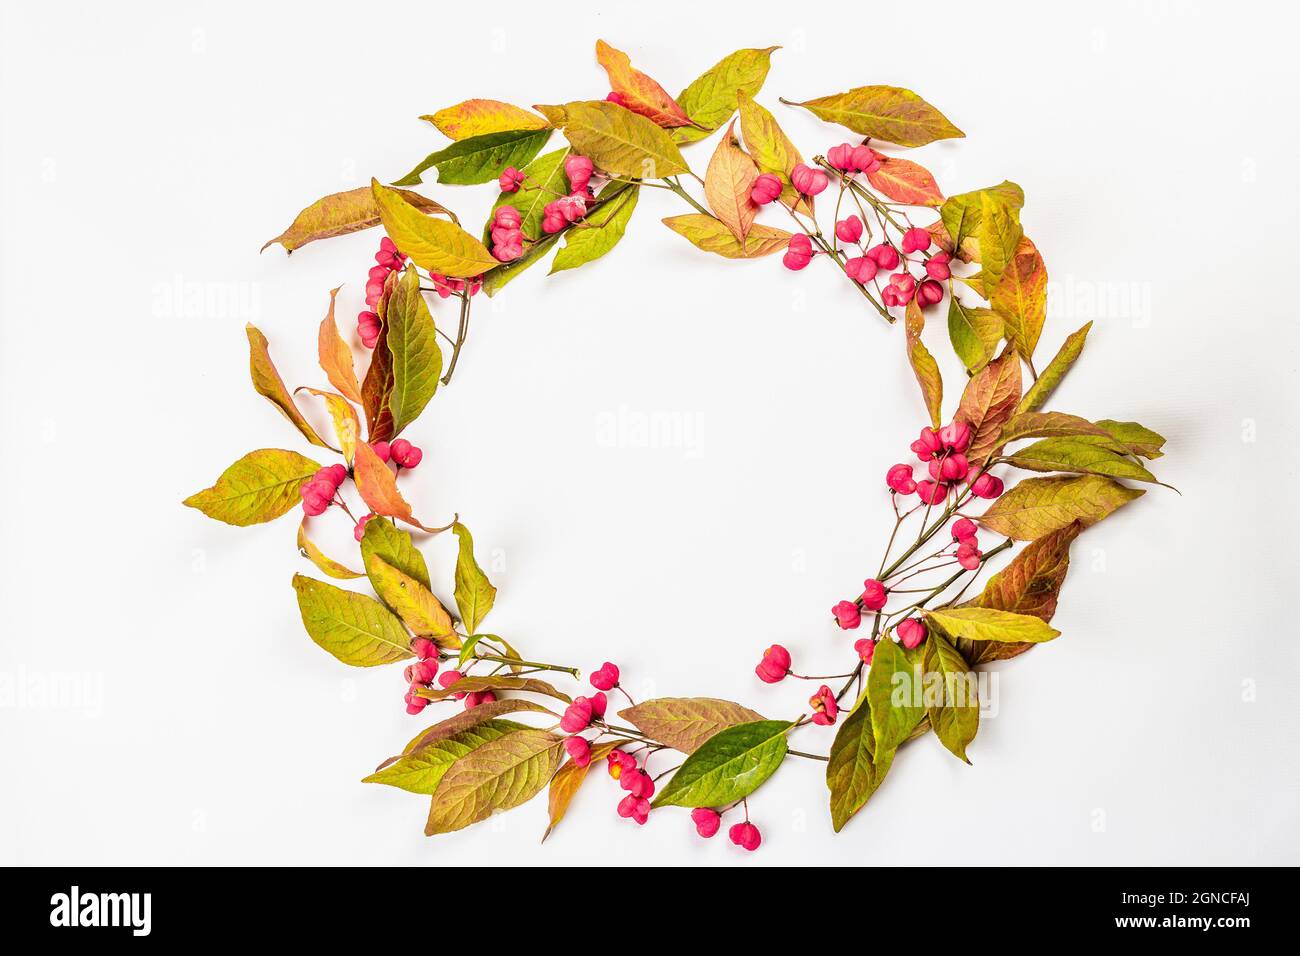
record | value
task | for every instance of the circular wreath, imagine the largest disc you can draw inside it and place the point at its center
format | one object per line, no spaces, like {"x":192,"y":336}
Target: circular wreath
{"x":925,"y":630}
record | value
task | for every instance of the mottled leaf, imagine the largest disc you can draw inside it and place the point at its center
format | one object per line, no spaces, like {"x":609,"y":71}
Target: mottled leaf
{"x":267,"y":382}
{"x":728,"y":766}
{"x":714,"y":95}
{"x":712,"y":235}
{"x":999,"y":233}
{"x":884,"y":112}
{"x":1137,"y":439}
{"x":341,"y":213}
{"x":727,"y":183}
{"x":480,"y":158}
{"x":259,"y":487}
{"x":684,"y":723}
{"x":640,"y":93}
{"x":432,"y":244}
{"x":963,"y":214}
{"x":1039,"y":506}
{"x":1048,"y":425}
{"x":476,"y":117}
{"x":475,"y":594}
{"x":1051,"y":376}
{"x":465,"y":719}
{"x":1080,"y":457}
{"x":617,"y":140}
{"x":498,"y":775}
{"x":356,"y":629}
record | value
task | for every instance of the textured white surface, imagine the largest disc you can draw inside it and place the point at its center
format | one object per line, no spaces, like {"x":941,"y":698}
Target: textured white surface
{"x":146,"y":154}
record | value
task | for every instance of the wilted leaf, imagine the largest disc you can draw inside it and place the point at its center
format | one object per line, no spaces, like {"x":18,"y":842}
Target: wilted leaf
{"x":1048,"y":425}
{"x":342,"y":213}
{"x":412,"y":602}
{"x":640,"y":93}
{"x":989,"y":401}
{"x":684,"y":723}
{"x":356,"y":629}
{"x":476,"y":117}
{"x":601,"y":230}
{"x":884,"y":112}
{"x":990,"y":624}
{"x":1055,"y":371}
{"x":853,"y":773}
{"x":336,"y":356}
{"x":714,"y":95}
{"x":466,"y":685}
{"x":974,"y":332}
{"x":432,"y":244}
{"x":307,"y":548}
{"x":730,"y":176}
{"x":953,"y":706}
{"x":1067,"y":454}
{"x":568,"y":779}
{"x":1138,"y":439}
{"x":894,"y":692}
{"x":412,"y":342}
{"x":904,"y":181}
{"x":259,"y":487}
{"x":545,"y":180}
{"x":267,"y":382}
{"x":480,"y":158}
{"x":347,"y":427}
{"x":924,"y":367}
{"x":771,"y":149}
{"x":1020,"y":297}
{"x":378,"y":488}
{"x":617,"y":140}
{"x":498,"y":775}
{"x":1039,"y":506}
{"x":728,"y":766}
{"x":712,"y":235}
{"x":421,"y":771}
{"x":384,"y":540}
{"x":475,"y":594}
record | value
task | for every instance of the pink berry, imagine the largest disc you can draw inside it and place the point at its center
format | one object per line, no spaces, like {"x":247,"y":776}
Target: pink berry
{"x":798,"y":252}
{"x":577,"y":716}
{"x":413,"y":458}
{"x":507,"y":217}
{"x":424,"y":649}
{"x":707,"y":821}
{"x":774,"y":665}
{"x":849,"y":230}
{"x":825,"y":708}
{"x":359,"y":531}
{"x":899,"y":479}
{"x":415,"y":704}
{"x":986,"y":486}
{"x":476,"y":697}
{"x":766,"y":188}
{"x":929,"y":293}
{"x":616,"y":98}
{"x":314,"y":504}
{"x":578,"y":169}
{"x":937,"y":266}
{"x":884,"y":255}
{"x":447,"y":678}
{"x":746,"y":835}
{"x":932,"y":492}
{"x":579,"y":750}
{"x":956,"y":436}
{"x":911,"y":632}
{"x":964,"y":528}
{"x":861,"y":269}
{"x":552,"y":222}
{"x":510,"y":180}
{"x":388,"y":257}
{"x":952,"y":467}
{"x":398,"y":449}
{"x":637,"y":783}
{"x":865,"y":159}
{"x":916,"y":239}
{"x":637,"y":808}
{"x":874,"y":594}
{"x":847,"y":615}
{"x":866,"y":649}
{"x":606,"y":678}
{"x":807,"y":180}
{"x":382,"y":450}
{"x":422,"y":672}
{"x":968,"y":555}
{"x":619,"y":761}
{"x":841,"y":157}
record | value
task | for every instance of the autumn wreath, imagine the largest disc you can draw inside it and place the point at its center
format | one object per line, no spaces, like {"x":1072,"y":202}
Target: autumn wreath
{"x":926,"y":631}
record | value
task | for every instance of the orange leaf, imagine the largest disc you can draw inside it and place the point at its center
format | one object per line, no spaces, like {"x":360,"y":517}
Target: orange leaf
{"x":640,"y":93}
{"x":905,"y":181}
{"x":336,"y":357}
{"x":989,"y":401}
{"x":730,"y":176}
{"x":478,"y":117}
{"x":378,"y":488}
{"x":1020,"y":297}
{"x":924,"y":366}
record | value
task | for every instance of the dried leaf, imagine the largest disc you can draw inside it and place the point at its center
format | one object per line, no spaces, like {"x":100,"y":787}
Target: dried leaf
{"x":476,"y":117}
{"x":356,"y":629}
{"x":884,"y":112}
{"x":267,"y":382}
{"x":617,"y":140}
{"x":259,"y":487}
{"x":712,"y":235}
{"x":1039,"y":506}
{"x":714,"y":95}
{"x":640,"y":93}
{"x":1051,"y":376}
{"x":336,"y":357}
{"x":684,"y":723}
{"x":727,"y":183}
{"x":343,"y":213}
{"x":432,"y":244}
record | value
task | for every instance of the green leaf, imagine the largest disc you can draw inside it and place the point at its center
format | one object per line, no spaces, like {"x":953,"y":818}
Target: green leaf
{"x":1068,"y":454}
{"x":884,"y":112}
{"x":989,"y":624}
{"x":497,"y":775}
{"x":953,"y":705}
{"x":617,"y":140}
{"x":267,"y":382}
{"x":432,"y":244}
{"x":497,"y":279}
{"x":413,"y":344}
{"x":602,"y":229}
{"x":853,"y":773}
{"x":546,"y":172}
{"x":1051,"y":376}
{"x":422,"y":770}
{"x":728,"y":766}
{"x":259,"y":487}
{"x":686,"y":723}
{"x":895,"y":694}
{"x":1039,"y":506}
{"x":974,"y":332}
{"x":1135,"y":438}
{"x":474,"y":592}
{"x":385,"y":541}
{"x":480,"y":159}
{"x":714,"y":95}
{"x":464,"y":721}
{"x":356,"y":629}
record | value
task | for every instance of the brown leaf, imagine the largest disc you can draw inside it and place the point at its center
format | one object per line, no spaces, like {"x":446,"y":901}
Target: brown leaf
{"x":377,"y":388}
{"x":905,"y":181}
{"x":989,"y":401}
{"x":684,"y":723}
{"x":568,"y":779}
{"x":527,"y":685}
{"x":267,"y":382}
{"x":640,"y":93}
{"x":924,"y":367}
{"x":730,"y":176}
{"x":336,"y":356}
{"x":342,"y":213}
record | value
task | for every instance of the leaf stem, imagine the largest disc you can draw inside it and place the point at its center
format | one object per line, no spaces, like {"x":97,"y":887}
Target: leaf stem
{"x":516,"y":662}
{"x":462,"y":333}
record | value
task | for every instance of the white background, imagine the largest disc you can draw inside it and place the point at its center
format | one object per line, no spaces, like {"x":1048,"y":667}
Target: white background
{"x":147,"y":152}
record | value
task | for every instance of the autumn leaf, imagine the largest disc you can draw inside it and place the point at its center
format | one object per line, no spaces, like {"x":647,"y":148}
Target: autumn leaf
{"x":974,"y":333}
{"x":894,"y":695}
{"x":412,"y":602}
{"x":1049,"y":425}
{"x":377,"y":386}
{"x":853,"y":772}
{"x":342,"y":213}
{"x":904,"y":181}
{"x":497,"y":775}
{"x":727,"y":183}
{"x":469,"y":685}
{"x":1020,"y":297}
{"x":378,"y":488}
{"x":476,"y":117}
{"x":412,"y":341}
{"x":307,"y":548}
{"x":728,"y":766}
{"x":449,"y":727}
{"x":382,"y":539}
{"x":1039,"y":506}
{"x":685,"y":723}
{"x":422,"y":770}
{"x":953,"y":706}
{"x":991,"y":624}
{"x":1082,"y":457}
{"x":884,"y":112}
{"x":259,"y":487}
{"x":474,"y":594}
{"x":267,"y":382}
{"x":432,"y":244}
{"x":714,"y":95}
{"x":1134,"y":438}
{"x":356,"y":629}
{"x":999,"y":234}
{"x":640,"y":93}
{"x":771,"y":149}
{"x":601,"y":230}
{"x":481,"y":158}
{"x":989,"y":400}
{"x":1055,"y":371}
{"x":336,"y":357}
{"x":712,"y":235}
{"x":962,"y":215}
{"x":617,"y":140}
{"x":924,"y":367}
{"x":347,"y":427}
{"x":567,"y":781}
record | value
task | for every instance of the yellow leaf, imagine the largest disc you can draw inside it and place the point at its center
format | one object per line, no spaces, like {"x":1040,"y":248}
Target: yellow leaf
{"x":884,"y":112}
{"x":617,"y":140}
{"x":640,"y":93}
{"x":259,"y":487}
{"x":772,"y":149}
{"x":712,"y":235}
{"x":307,"y":548}
{"x":730,"y":176}
{"x":432,"y":244}
{"x":476,"y":117}
{"x":342,"y":213}
{"x":356,"y":629}
{"x":714,"y":94}
{"x":924,"y":367}
{"x":347,"y":426}
{"x":411,"y":601}
{"x":1020,"y":297}
{"x":267,"y":382}
{"x":335,"y":356}
{"x":1039,"y":506}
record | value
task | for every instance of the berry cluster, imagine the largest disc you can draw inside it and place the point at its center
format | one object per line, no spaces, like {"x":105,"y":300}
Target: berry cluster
{"x":388,"y":260}
{"x":318,"y":494}
{"x":507,"y":236}
{"x":943,"y":451}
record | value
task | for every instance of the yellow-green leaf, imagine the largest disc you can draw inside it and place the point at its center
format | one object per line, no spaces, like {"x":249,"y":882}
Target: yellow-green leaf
{"x":347,"y":426}
{"x":712,"y":235}
{"x":413,"y":343}
{"x":771,"y":149}
{"x":1049,"y":425}
{"x":432,"y":244}
{"x":601,"y":230}
{"x":342,"y":213}
{"x":412,"y":602}
{"x":924,"y":366}
{"x":617,"y":140}
{"x":476,"y":117}
{"x":953,"y":703}
{"x":481,"y":158}
{"x":1066,"y":454}
{"x":1135,"y":438}
{"x":1051,"y":376}
{"x":714,"y":95}
{"x":356,"y":629}
{"x":990,"y":624}
{"x":259,"y":487}
{"x":1020,"y":297}
{"x":963,"y":214}
{"x":267,"y":382}
{"x":545,"y":180}
{"x":999,"y":234}
{"x":393,"y":545}
{"x":853,"y":773}
{"x":1039,"y":506}
{"x":422,"y":770}
{"x":895,"y":695}
{"x":890,"y":113}
{"x":974,"y":332}
{"x":307,"y":548}
{"x":498,"y":775}
{"x":474,"y":593}
{"x":685,"y":723}
{"x":498,"y":278}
